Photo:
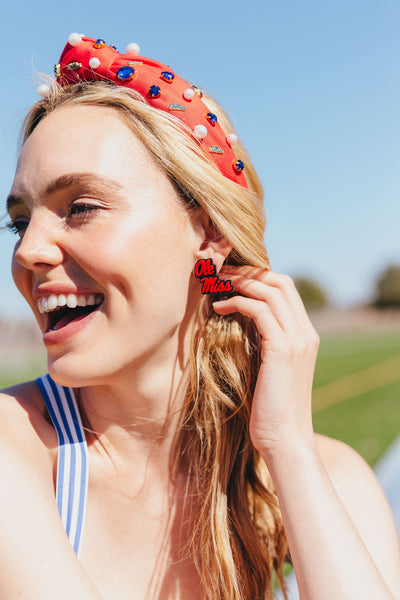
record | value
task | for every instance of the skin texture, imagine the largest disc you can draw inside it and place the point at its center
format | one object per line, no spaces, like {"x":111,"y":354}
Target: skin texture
{"x":138,"y":249}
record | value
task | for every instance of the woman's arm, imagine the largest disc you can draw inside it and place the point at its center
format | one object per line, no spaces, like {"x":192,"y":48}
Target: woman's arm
{"x":331,"y":549}
{"x":37,"y":560}
{"x":338,"y":523}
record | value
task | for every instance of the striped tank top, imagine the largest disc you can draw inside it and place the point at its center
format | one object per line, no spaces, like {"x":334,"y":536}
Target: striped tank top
{"x":73,"y":458}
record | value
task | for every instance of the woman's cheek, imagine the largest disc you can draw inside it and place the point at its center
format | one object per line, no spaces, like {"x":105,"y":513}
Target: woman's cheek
{"x":22,"y":279}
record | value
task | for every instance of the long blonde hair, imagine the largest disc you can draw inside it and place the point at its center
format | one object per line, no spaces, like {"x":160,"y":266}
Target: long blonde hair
{"x":238,"y":539}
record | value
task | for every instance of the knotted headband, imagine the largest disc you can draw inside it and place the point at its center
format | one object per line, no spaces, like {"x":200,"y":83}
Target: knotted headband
{"x":86,"y":59}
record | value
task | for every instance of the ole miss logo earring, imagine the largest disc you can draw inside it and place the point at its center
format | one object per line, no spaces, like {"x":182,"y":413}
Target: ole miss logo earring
{"x":206,"y":271}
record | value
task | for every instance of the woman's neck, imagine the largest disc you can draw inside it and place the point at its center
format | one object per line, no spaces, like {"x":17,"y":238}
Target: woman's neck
{"x":135,"y":414}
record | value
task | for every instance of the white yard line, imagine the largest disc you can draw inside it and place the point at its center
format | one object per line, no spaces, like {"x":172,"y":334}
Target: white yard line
{"x":357,"y":383}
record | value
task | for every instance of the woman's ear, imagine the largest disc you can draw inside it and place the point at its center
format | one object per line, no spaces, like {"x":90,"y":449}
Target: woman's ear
{"x":212,"y":244}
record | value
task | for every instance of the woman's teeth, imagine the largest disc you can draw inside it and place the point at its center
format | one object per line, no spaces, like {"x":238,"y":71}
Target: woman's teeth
{"x":49,"y":303}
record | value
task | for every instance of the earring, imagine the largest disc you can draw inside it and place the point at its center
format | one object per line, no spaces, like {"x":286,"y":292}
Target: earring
{"x":206,"y":271}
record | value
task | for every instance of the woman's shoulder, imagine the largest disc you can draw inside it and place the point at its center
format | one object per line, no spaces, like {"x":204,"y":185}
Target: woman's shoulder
{"x":356,"y":485}
{"x":362,"y":496}
{"x":352,"y":477}
{"x":31,"y":531}
{"x":26,"y":393}
{"x":341,"y":461}
{"x":329,"y":448}
{"x":23,"y":422}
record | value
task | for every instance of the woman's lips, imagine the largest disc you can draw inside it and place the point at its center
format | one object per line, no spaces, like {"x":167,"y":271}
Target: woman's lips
{"x":66,"y":328}
{"x":56,"y":319}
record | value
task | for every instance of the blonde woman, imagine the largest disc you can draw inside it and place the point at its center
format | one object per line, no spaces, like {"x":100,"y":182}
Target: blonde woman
{"x":169,"y":453}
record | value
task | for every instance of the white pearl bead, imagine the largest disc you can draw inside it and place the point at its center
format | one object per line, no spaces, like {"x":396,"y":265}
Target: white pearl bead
{"x":94,"y":62}
{"x":133,"y":49}
{"x":231,"y":138}
{"x":43,"y":90}
{"x":200,"y":131}
{"x":188,"y":94}
{"x":75,"y":39}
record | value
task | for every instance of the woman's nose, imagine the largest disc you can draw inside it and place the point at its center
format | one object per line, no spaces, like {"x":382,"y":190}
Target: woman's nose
{"x":38,"y":246}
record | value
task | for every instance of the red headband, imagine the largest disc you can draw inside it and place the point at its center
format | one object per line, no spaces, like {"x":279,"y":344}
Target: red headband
{"x":85,"y":59}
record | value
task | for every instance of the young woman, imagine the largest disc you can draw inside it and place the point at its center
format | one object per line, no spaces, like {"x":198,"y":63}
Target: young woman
{"x":190,"y":410}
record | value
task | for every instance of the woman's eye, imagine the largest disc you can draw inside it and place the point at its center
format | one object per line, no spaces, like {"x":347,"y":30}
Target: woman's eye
{"x":81,"y":207}
{"x":17,"y":226}
{"x":80,"y":212}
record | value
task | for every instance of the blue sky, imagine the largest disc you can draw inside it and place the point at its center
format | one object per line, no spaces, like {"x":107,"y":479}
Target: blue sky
{"x":312,"y":88}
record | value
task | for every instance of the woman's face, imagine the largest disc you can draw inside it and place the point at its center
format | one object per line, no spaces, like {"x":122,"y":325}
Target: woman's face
{"x":97,"y":218}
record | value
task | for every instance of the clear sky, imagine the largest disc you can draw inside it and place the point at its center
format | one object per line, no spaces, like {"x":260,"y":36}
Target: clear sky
{"x":313,"y":90}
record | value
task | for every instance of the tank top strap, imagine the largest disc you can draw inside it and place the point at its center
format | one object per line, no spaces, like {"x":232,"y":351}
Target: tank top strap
{"x":73,"y":458}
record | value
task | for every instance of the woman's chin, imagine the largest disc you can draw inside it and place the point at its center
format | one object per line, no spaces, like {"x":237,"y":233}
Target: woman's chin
{"x":73,"y":372}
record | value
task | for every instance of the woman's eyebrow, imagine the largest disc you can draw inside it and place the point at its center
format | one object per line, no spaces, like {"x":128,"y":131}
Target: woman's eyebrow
{"x":100,"y":183}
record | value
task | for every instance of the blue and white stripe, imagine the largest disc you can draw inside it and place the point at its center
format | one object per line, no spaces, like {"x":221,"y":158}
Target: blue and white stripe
{"x":73,"y":459}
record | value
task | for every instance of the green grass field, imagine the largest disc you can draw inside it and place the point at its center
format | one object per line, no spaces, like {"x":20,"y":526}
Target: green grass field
{"x":367,"y":421}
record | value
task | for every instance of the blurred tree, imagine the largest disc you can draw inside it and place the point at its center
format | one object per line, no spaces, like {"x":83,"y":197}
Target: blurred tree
{"x":387,"y":288}
{"x":311,"y":293}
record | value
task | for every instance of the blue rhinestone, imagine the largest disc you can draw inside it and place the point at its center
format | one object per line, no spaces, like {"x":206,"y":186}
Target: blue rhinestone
{"x":167,"y":76}
{"x":112,"y":46}
{"x":125,"y":73}
{"x":99,"y":43}
{"x":212,"y":118}
{"x":238,"y":166}
{"x":154,"y":91}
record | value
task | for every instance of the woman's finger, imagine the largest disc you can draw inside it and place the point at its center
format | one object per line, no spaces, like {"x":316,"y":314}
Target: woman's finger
{"x":281,"y":281}
{"x":258,"y":310}
{"x":273,"y":296}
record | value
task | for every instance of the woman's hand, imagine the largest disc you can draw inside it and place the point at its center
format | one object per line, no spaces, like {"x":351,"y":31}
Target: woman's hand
{"x":281,"y":410}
